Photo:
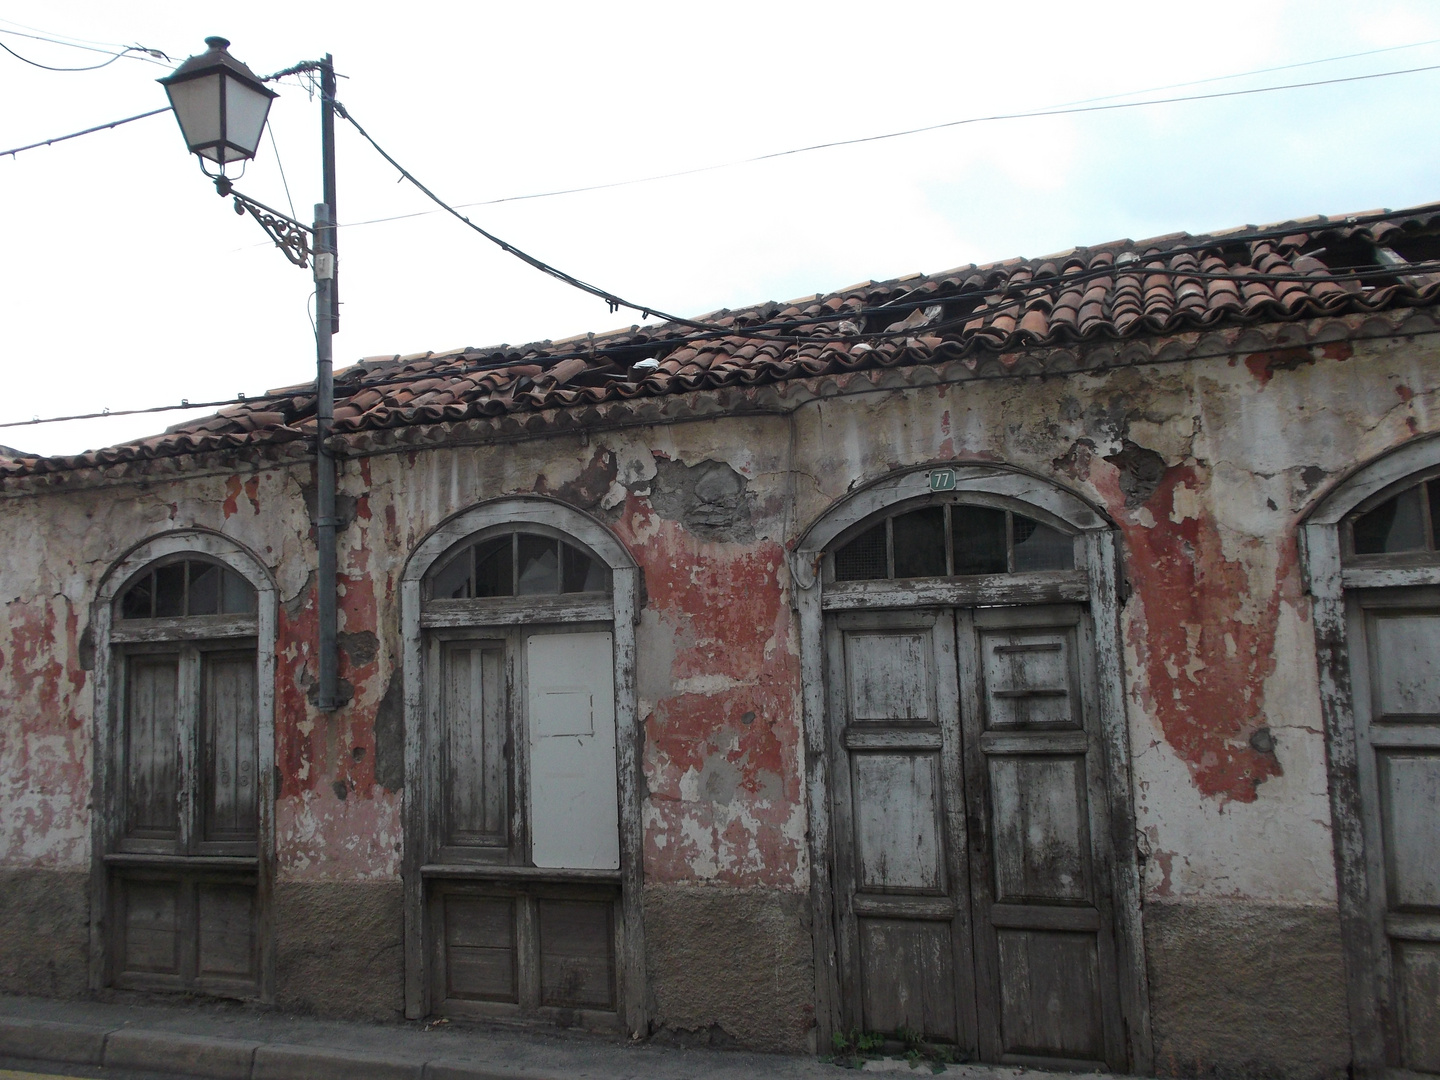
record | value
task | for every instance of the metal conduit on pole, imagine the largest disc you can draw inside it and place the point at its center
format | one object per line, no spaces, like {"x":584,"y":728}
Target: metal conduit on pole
{"x":325,"y":310}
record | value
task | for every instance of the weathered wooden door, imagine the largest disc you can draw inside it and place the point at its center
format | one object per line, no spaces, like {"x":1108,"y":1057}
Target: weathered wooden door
{"x":183,"y":878}
{"x":904,"y":918}
{"x":1395,"y":661}
{"x":971,"y":845}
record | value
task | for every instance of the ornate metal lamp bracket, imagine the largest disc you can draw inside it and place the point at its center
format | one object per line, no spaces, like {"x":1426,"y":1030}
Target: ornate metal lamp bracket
{"x":290,"y":236}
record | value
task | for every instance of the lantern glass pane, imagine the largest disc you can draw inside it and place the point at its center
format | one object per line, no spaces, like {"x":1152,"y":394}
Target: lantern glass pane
{"x":197,"y":107}
{"x":245,"y":112}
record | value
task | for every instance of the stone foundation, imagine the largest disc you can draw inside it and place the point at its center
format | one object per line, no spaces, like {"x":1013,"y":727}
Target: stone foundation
{"x":339,"y":949}
{"x":730,"y":966}
{"x":45,"y":932}
{"x":1243,"y":989}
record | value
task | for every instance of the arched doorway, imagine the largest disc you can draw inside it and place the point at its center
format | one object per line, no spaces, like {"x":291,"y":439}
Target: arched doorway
{"x":522,"y":833}
{"x":184,"y":840}
{"x":1373,"y":564}
{"x":967,"y":756}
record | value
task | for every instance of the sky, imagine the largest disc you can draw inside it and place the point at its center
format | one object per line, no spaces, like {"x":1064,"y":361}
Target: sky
{"x":125,"y":282}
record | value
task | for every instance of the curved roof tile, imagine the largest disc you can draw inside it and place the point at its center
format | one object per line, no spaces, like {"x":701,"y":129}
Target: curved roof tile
{"x":1123,"y":290}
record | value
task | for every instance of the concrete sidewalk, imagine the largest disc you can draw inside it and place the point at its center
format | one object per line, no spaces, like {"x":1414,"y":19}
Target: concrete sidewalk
{"x":233,"y":1041}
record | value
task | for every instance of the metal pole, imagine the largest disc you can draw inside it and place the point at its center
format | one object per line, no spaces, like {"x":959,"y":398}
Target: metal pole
{"x":328,"y":696}
{"x":327,"y":151}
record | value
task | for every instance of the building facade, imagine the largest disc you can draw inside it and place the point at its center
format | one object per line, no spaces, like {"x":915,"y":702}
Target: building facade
{"x":1043,"y":658}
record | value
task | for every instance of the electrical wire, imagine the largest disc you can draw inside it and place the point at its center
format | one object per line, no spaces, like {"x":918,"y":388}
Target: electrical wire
{"x":1067,"y":110}
{"x":615,"y":302}
{"x":1259,"y":71}
{"x":51,"y":35}
{"x":47,"y":67}
{"x":87,"y":131}
{"x":281,"y":166}
{"x":133,"y":52}
{"x":345,"y":388}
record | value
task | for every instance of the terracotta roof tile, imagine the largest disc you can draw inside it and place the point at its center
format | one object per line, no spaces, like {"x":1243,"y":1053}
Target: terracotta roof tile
{"x":1162,"y":286}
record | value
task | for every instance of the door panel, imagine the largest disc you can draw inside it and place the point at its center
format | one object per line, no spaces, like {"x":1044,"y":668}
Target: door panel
{"x":475,"y":768}
{"x":186,"y":930}
{"x":889,"y":676}
{"x":513,"y":949}
{"x":574,"y":794}
{"x":228,"y":730}
{"x":479,"y":961}
{"x":1410,"y":810}
{"x":1395,"y":665}
{"x":150,"y":938}
{"x":1030,"y":680}
{"x":897,"y":822}
{"x":227,"y":931}
{"x":577,"y":953}
{"x":1046,"y":981}
{"x":1042,"y":840}
{"x":904,"y":936}
{"x":908,"y":977}
{"x":1418,"y":975}
{"x":1407,"y":650}
{"x":152,"y":747}
{"x":1050,"y":1001}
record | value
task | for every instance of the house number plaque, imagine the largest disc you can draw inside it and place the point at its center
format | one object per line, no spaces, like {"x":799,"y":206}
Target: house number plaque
{"x":942,"y":479}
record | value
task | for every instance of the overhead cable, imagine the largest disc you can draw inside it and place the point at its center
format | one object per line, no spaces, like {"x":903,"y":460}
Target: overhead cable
{"x":87,"y":131}
{"x":1067,"y":110}
{"x":615,"y":302}
{"x":1259,"y":71}
{"x":47,"y":67}
{"x":133,"y":52}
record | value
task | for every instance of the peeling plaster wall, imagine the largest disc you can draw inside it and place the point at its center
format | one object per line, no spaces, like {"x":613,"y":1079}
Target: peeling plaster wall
{"x":1206,"y":467}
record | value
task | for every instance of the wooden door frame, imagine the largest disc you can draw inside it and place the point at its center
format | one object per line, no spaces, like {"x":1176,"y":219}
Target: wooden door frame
{"x":1097,"y":583}
{"x":1368,"y":978}
{"x":621,"y":609}
{"x":106,"y":781}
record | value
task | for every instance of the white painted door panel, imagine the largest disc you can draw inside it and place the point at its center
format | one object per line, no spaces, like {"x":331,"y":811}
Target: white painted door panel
{"x":570,"y":707}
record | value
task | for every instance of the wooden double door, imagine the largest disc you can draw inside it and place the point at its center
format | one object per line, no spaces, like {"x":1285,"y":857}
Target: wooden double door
{"x":973,"y":869}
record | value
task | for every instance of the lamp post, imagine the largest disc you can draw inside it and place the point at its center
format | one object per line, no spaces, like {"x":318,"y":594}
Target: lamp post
{"x":221,"y":107}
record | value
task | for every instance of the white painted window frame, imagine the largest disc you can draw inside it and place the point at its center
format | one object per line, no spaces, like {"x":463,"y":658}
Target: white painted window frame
{"x":621,"y":609}
{"x":106,"y":782}
{"x":1096,"y":581}
{"x":1367,"y":966}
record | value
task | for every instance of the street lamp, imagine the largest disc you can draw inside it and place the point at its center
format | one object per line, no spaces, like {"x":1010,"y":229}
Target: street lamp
{"x":221,"y":107}
{"x":220,"y":104}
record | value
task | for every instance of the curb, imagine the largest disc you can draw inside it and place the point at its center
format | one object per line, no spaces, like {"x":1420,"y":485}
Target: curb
{"x":142,"y":1050}
{"x":279,"y":1062}
{"x":148,"y":1050}
{"x":48,"y":1040}
{"x":163,"y":1051}
{"x":464,"y":1069}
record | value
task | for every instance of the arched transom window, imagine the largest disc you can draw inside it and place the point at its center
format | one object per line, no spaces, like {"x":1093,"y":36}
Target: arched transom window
{"x":187,"y":587}
{"x":1404,"y":524}
{"x":952,"y":539}
{"x":518,"y":564}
